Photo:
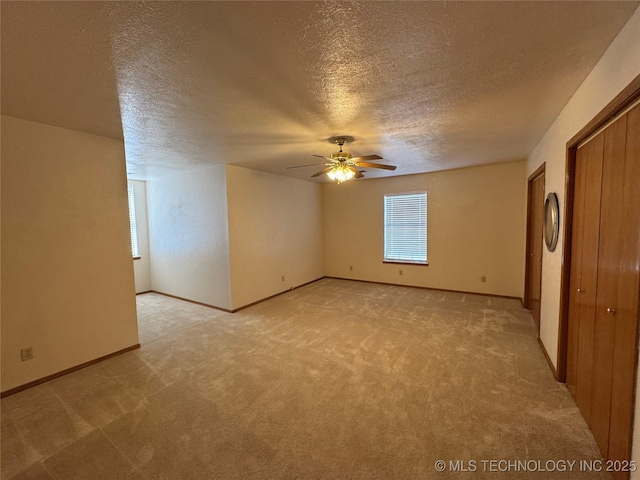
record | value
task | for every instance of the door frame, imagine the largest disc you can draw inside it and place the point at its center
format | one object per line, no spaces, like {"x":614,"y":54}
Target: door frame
{"x":527,"y":262}
{"x":625,"y":98}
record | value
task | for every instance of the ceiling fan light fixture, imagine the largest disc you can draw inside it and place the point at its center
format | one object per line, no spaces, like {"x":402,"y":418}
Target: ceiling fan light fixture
{"x":341,"y":173}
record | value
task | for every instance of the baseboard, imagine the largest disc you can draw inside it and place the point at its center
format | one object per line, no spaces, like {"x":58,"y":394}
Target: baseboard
{"x":275,"y":295}
{"x":142,"y":293}
{"x":239,"y":308}
{"x":427,"y":288}
{"x":546,"y":355}
{"x":66,"y":371}
{"x":192,"y":301}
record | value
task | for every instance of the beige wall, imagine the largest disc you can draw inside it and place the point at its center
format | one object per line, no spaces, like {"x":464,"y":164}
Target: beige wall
{"x":67,"y":274}
{"x":275,"y":230}
{"x":188,"y":236}
{"x":619,"y":65}
{"x":142,"y":266}
{"x":476,"y":227}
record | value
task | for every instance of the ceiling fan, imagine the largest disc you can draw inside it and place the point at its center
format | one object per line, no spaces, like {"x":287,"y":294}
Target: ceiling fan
{"x":341,"y":166}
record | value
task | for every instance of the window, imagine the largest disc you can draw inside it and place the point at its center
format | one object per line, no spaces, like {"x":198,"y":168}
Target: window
{"x":132,"y":223}
{"x":405,"y":228}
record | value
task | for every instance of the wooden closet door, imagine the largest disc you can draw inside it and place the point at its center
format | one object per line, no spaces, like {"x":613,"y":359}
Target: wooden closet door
{"x":584,"y":272}
{"x":577,"y":229}
{"x":626,"y":295}
{"x":617,"y":295}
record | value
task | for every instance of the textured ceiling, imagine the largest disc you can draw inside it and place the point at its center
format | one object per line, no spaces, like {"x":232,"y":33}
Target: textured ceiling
{"x":427,"y":85}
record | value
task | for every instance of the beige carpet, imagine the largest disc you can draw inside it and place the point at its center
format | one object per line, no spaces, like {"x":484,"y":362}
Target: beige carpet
{"x":336,"y":379}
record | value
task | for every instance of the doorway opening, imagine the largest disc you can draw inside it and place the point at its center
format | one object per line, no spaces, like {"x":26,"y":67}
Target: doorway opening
{"x":533,"y":262}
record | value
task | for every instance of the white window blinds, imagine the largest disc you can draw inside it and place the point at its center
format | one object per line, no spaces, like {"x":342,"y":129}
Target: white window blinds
{"x":405,"y":227}
{"x":132,"y":222}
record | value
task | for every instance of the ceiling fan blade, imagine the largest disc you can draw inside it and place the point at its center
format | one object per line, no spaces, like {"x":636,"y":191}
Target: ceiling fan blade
{"x":322,"y":156}
{"x":367,"y":157}
{"x":302,"y":166}
{"x":375,"y":165}
{"x":357,"y":172}
{"x":322,"y":172}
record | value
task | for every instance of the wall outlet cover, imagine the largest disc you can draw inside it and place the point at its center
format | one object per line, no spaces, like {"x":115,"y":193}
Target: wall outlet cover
{"x":26,"y":353}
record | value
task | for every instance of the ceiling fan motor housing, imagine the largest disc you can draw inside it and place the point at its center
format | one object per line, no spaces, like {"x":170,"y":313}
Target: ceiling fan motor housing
{"x":340,"y":156}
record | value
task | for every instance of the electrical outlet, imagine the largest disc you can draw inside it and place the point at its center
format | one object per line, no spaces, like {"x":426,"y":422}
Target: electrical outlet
{"x":400,"y":272}
{"x":283,"y":278}
{"x":26,"y":354}
{"x":351,"y":268}
{"x":483,"y":279}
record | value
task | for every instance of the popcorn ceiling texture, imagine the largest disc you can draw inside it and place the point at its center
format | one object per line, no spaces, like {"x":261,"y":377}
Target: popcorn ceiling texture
{"x":337,"y":379}
{"x":429,"y":85}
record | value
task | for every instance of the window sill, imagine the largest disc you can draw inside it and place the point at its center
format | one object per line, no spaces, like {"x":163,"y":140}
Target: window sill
{"x":137,"y":258}
{"x":399,"y":262}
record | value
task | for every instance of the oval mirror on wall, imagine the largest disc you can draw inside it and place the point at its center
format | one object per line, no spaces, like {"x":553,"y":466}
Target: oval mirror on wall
{"x":551,"y":221}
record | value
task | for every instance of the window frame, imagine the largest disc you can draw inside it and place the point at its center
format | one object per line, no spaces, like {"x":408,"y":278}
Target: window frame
{"x":133,"y":222}
{"x":401,"y":261}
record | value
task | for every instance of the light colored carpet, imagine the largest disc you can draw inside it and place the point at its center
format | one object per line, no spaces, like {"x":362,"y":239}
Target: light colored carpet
{"x":336,"y":379}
